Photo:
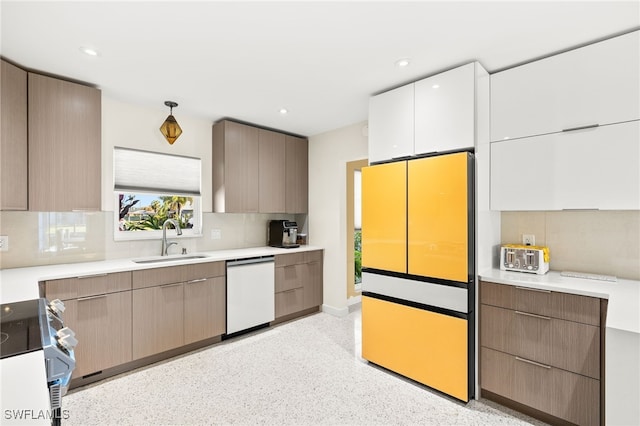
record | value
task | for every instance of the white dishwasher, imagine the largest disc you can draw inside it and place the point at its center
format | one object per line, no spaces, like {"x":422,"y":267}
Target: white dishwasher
{"x":250,"y":293}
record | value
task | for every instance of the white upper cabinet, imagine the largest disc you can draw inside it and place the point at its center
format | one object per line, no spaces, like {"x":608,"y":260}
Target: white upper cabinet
{"x":597,"y":168}
{"x":445,"y":111}
{"x":435,"y":114}
{"x":594,"y":85}
{"x":391,"y":124}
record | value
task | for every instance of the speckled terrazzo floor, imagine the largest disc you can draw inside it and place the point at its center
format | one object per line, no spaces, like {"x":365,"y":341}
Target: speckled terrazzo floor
{"x":304,"y":372}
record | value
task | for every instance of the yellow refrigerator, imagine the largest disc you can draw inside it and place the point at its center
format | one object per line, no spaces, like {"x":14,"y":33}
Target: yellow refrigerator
{"x":418,"y":281}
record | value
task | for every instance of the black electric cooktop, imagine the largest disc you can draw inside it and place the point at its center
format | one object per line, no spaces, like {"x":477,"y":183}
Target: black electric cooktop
{"x":20,"y":328}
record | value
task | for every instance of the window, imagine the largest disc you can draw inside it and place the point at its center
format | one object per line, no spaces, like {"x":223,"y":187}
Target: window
{"x":150,"y":188}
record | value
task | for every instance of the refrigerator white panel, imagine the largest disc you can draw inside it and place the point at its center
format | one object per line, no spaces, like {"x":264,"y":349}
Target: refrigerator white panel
{"x":441,"y":296}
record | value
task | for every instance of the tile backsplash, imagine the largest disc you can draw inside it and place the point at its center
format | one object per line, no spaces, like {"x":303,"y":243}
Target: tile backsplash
{"x":38,"y":238}
{"x":601,"y":242}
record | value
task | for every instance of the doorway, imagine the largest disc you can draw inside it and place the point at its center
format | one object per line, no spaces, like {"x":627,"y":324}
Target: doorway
{"x":353,"y":229}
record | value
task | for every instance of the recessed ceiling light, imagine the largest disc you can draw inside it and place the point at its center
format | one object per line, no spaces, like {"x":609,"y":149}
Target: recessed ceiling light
{"x":435,"y":86}
{"x":284,"y":111}
{"x":89,"y":51}
{"x":404,"y":62}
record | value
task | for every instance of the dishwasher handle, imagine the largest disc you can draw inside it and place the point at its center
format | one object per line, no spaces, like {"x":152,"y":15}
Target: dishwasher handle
{"x":250,"y":260}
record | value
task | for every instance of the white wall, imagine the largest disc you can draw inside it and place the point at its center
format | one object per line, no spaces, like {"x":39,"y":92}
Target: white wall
{"x":328,"y":155}
{"x":132,"y":126}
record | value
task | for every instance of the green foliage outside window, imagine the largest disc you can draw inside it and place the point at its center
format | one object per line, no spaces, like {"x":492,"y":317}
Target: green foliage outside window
{"x":136,"y":217}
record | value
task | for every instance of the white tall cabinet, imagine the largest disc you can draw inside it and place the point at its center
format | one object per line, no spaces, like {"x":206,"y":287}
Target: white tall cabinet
{"x":565,"y":130}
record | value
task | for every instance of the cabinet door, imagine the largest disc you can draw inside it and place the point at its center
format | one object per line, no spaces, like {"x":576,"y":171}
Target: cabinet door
{"x":438,"y":217}
{"x":427,"y":347}
{"x":64,"y":145}
{"x":158,"y":319}
{"x":235,"y":168}
{"x":204,"y":309}
{"x":312,"y":285}
{"x":596,"y":84}
{"x":590,"y":169}
{"x":445,"y":111}
{"x":297,"y":175}
{"x":391,"y":121}
{"x":272,"y":168}
{"x":13,"y":138}
{"x":384,"y":217}
{"x":103,"y":328}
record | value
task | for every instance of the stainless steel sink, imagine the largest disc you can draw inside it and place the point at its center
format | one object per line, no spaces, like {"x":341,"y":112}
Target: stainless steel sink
{"x":171,"y":259}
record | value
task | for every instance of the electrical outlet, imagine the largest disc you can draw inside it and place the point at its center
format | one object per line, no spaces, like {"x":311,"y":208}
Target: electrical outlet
{"x":529,"y":239}
{"x":216,"y":234}
{"x":4,"y":243}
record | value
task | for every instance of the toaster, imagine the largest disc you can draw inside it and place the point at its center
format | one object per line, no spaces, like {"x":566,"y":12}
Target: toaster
{"x":521,"y":258}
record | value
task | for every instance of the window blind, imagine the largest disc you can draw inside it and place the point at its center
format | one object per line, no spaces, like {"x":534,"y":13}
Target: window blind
{"x":136,"y":170}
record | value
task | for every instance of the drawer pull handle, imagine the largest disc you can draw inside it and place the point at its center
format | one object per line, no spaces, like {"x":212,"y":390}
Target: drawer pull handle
{"x":290,"y":291}
{"x":92,"y":276}
{"x":572,"y":129}
{"x":548,"y":367}
{"x":196,"y":281}
{"x":82,"y":299}
{"x":533,"y":315}
{"x":170,"y":285}
{"x":539,"y":290}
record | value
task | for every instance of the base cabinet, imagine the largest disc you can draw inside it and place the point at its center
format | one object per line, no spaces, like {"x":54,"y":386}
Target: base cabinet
{"x":158,"y":318}
{"x":176,"y":306}
{"x":543,"y":349}
{"x":98,"y":310}
{"x":204,"y":309}
{"x":298,"y":282}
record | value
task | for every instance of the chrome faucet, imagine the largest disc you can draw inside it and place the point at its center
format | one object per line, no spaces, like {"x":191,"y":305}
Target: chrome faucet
{"x":165,"y":245}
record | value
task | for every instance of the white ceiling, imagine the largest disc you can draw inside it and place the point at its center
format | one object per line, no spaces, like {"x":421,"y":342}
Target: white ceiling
{"x":320,"y":60}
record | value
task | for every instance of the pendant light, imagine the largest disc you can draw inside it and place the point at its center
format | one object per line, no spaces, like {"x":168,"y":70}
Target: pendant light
{"x":170,"y":128}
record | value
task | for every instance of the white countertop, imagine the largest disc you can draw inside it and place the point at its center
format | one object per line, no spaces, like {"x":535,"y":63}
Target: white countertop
{"x":623,"y":311}
{"x":22,"y":283}
{"x":23,"y":390}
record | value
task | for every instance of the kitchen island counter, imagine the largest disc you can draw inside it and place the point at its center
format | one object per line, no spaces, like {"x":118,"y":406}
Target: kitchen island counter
{"x":622,"y":333}
{"x":18,"y":284}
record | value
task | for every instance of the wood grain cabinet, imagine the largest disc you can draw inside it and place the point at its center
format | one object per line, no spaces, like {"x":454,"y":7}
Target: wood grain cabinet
{"x":543,"y":350}
{"x":235,"y":168}
{"x":98,"y":310}
{"x":297,"y":174}
{"x":258,"y":171}
{"x":64,"y":145}
{"x":178,"y":305}
{"x":298,"y":282}
{"x":13,"y":138}
{"x":272,"y":171}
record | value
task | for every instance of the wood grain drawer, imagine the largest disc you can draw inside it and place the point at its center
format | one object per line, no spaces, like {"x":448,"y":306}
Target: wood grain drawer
{"x":571,"y":307}
{"x":288,"y":302}
{"x":289,"y":259}
{"x":297,"y":258}
{"x":289,"y":277}
{"x":563,"y":344}
{"x":157,"y":276}
{"x":87,"y":285}
{"x":203,"y":270}
{"x":563,"y":394}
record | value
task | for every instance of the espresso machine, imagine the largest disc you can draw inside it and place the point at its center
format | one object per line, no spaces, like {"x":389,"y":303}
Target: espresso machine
{"x":283,"y":234}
